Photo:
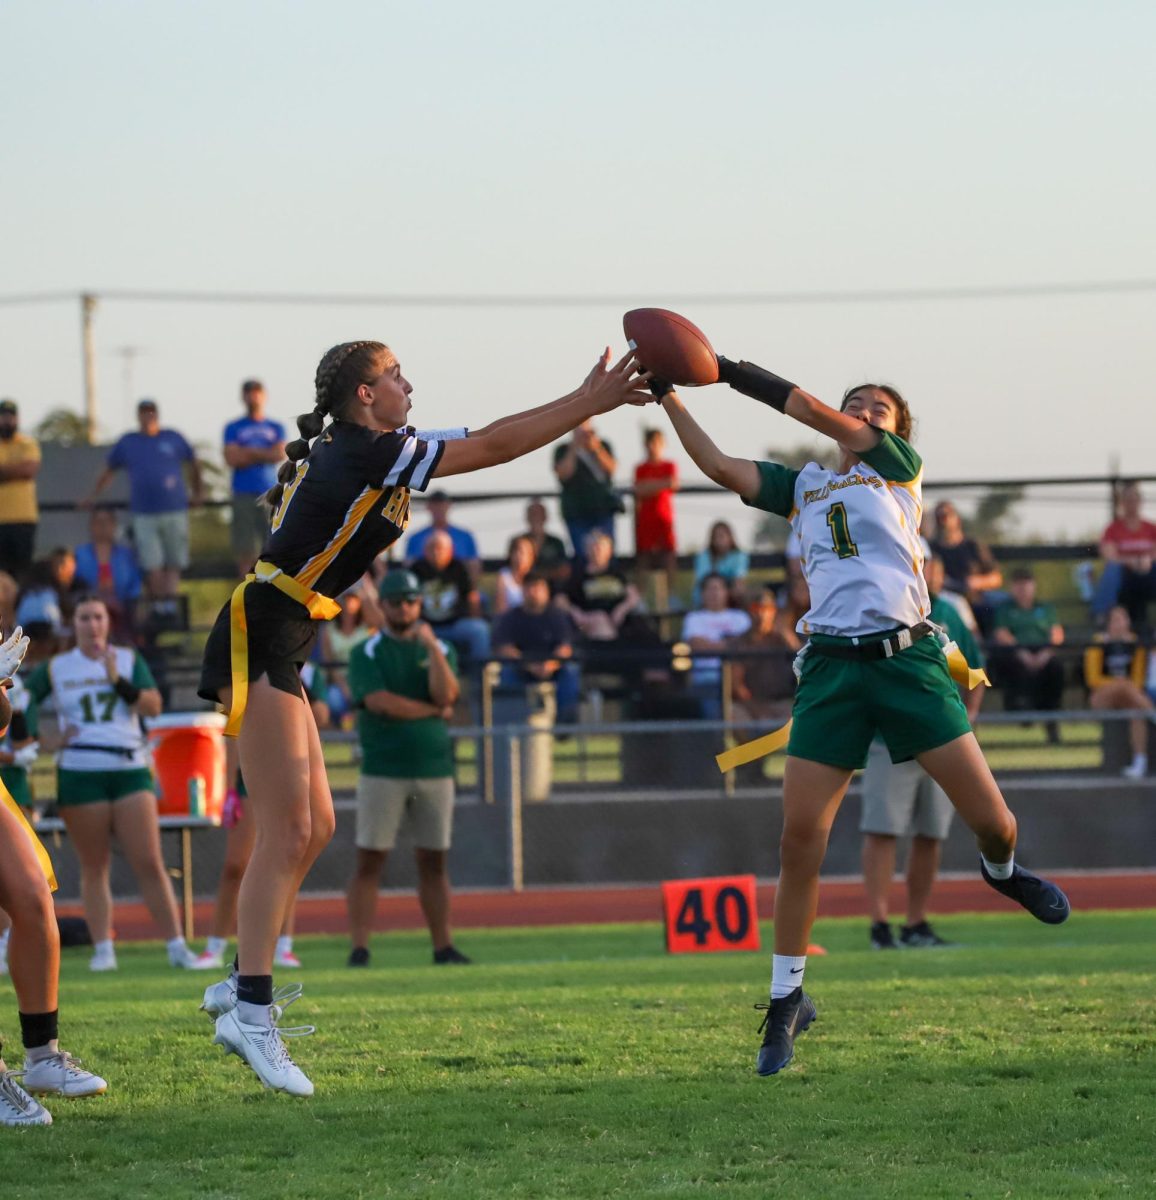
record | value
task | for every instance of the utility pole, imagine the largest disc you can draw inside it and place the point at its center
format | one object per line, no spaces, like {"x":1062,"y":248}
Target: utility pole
{"x":128,"y":356}
{"x":88,"y":357}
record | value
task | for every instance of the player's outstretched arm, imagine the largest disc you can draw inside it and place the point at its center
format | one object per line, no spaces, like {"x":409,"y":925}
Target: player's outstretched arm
{"x":739,"y":474}
{"x":789,"y":398}
{"x":604,"y":389}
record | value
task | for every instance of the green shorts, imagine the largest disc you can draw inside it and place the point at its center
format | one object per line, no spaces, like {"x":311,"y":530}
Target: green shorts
{"x":910,"y":700}
{"x":15,"y":779}
{"x":95,"y":787}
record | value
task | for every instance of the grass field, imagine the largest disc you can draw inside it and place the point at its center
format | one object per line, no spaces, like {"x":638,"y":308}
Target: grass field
{"x":584,"y":1062}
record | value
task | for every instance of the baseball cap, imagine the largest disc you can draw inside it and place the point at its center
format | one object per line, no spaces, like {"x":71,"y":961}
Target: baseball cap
{"x":146,"y":404}
{"x":400,"y":585}
{"x":8,"y":406}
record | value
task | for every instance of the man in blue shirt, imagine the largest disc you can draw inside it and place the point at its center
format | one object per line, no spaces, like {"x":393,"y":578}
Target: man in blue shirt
{"x":465,"y":547}
{"x":254,"y":446}
{"x":154,"y":460}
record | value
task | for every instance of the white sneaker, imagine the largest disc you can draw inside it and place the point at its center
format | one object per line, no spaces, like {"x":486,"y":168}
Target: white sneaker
{"x":261,"y":1046}
{"x":60,"y":1075}
{"x":1135,"y":770}
{"x":221,"y":998}
{"x":17,"y":1107}
{"x":103,"y":960}
{"x":208,"y":961}
{"x":4,"y":957}
{"x":286,"y":958}
{"x":182,"y":958}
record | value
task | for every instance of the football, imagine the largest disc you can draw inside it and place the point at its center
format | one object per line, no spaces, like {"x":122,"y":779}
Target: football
{"x":671,"y":347}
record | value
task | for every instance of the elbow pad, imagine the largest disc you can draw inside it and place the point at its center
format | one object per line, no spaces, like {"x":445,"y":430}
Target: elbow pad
{"x":755,"y":382}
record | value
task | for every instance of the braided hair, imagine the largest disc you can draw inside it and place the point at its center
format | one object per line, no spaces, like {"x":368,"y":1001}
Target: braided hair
{"x":341,"y":371}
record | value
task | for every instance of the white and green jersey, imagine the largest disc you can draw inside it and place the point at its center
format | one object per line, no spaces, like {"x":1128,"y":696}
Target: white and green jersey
{"x":862,"y":556}
{"x":90,"y":713}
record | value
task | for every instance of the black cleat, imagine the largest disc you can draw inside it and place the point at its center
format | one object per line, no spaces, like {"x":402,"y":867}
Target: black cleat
{"x":921,"y":936}
{"x":786,"y":1018}
{"x":881,"y":936}
{"x":1040,"y":897}
{"x":358,"y":957}
{"x":449,"y":954}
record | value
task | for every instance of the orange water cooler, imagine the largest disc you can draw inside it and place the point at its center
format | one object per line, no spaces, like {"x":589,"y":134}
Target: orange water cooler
{"x":188,"y":756}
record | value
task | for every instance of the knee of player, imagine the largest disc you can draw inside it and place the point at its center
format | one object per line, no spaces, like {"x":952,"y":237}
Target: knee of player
{"x":31,"y":907}
{"x":322,"y":828}
{"x":801,"y":837}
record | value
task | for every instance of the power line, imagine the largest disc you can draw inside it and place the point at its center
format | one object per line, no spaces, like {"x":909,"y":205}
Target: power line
{"x":700,"y":299}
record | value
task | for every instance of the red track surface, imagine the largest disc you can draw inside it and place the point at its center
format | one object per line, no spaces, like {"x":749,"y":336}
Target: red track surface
{"x":592,"y":906}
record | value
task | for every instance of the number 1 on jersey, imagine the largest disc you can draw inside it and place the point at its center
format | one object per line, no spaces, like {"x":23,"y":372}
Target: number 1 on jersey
{"x":841,"y":540}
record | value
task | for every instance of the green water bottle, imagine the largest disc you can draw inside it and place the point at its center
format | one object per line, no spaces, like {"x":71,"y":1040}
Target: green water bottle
{"x":196,"y":795}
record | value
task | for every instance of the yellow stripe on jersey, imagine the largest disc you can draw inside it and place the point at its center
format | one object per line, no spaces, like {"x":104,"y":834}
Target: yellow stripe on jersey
{"x":358,"y":510}
{"x":37,"y":845}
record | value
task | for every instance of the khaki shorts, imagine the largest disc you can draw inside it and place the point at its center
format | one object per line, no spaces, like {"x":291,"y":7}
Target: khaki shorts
{"x":426,"y":805}
{"x":250,"y":526}
{"x":901,"y":799}
{"x":162,"y":540}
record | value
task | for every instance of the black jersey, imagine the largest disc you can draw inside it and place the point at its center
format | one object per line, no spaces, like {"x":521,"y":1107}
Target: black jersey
{"x":348,"y":501}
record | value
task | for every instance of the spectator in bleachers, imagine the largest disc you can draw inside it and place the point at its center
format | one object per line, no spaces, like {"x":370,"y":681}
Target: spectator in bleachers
{"x":519,"y":563}
{"x":1115,"y":670}
{"x":50,"y":591}
{"x":585,"y":467}
{"x":1128,"y":548}
{"x":605,"y":608}
{"x":155,"y":460}
{"x":19,"y":513}
{"x":339,"y":637}
{"x":795,"y":606}
{"x":712,"y":627}
{"x":464,"y":543}
{"x":969,"y":566}
{"x":1024,"y":660}
{"x":451,"y":603}
{"x":763,"y":685}
{"x":655,"y":482}
{"x":549,"y":550}
{"x":254,"y":447}
{"x":108,"y":567}
{"x":722,"y":556}
{"x":539,"y":636}
{"x":9,"y":594}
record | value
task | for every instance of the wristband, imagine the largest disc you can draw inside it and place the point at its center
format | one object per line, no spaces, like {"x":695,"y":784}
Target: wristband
{"x":127,"y":691}
{"x":660,"y":388}
{"x":756,"y":382}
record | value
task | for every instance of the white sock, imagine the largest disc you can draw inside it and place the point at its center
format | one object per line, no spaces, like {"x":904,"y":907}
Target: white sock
{"x":105,"y":947}
{"x":35,"y":1054}
{"x":175,"y":946}
{"x":284,"y":945}
{"x":999,"y":870}
{"x":786,"y":974}
{"x":216,"y":945}
{"x":1140,"y":764}
{"x":254,"y":1014}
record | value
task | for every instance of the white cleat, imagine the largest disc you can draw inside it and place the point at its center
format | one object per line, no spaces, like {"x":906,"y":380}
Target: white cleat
{"x":60,"y":1075}
{"x":208,"y":961}
{"x":286,"y":958}
{"x":103,"y":960}
{"x":262,"y":1047}
{"x":182,"y":958}
{"x":17,"y":1107}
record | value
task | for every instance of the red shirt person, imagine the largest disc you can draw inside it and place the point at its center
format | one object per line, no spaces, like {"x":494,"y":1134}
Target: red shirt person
{"x":655,"y":482}
{"x":1128,"y":548}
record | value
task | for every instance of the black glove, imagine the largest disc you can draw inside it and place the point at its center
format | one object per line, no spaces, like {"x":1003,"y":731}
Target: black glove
{"x":660,"y":388}
{"x":755,"y":382}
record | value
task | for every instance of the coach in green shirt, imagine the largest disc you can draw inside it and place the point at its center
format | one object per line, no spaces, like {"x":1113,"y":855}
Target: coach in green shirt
{"x":404,"y":683}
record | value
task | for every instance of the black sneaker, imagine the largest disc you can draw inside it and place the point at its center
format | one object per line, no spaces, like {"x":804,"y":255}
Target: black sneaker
{"x":920,"y":936}
{"x":881,"y":936}
{"x":785,"y":1020}
{"x":358,"y":957}
{"x":450,"y":954}
{"x":1041,"y":898}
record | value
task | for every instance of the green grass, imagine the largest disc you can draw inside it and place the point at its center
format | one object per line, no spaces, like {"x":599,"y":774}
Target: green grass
{"x":584,"y":1062}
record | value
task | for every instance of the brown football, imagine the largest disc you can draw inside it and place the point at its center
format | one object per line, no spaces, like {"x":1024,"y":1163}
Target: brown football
{"x":671,"y":347}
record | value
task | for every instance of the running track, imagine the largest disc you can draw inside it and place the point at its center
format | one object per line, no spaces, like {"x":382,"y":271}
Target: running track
{"x":593,"y":906}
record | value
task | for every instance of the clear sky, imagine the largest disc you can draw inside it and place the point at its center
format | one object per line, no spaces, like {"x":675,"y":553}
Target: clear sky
{"x":642,"y":150}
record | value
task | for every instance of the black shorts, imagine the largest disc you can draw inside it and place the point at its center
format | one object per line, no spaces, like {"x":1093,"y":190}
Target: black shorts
{"x":281,"y":638}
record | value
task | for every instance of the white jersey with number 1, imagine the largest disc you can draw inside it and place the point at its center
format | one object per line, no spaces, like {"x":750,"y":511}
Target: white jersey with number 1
{"x":862,"y":557}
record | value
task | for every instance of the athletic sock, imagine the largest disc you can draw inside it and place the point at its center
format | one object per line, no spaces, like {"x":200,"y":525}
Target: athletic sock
{"x":108,"y":946}
{"x":254,"y":1014}
{"x":255,"y":989}
{"x":38,"y":1030}
{"x":284,"y":945}
{"x":216,"y":945}
{"x":1139,"y":764}
{"x":999,"y":870}
{"x":786,"y":974}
